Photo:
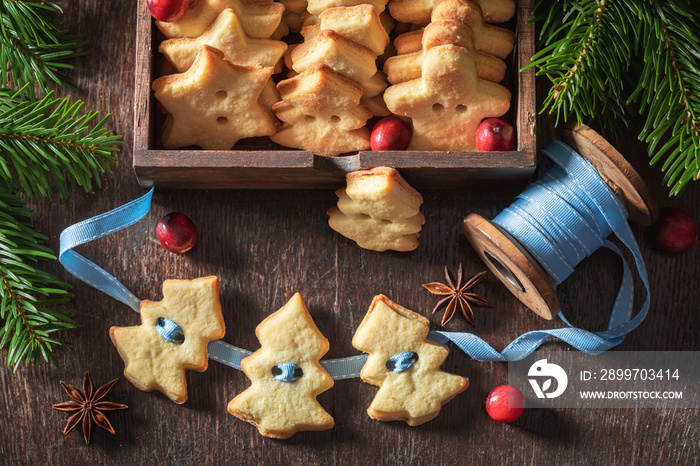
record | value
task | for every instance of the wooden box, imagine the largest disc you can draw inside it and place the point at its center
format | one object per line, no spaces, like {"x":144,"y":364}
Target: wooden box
{"x":260,"y":163}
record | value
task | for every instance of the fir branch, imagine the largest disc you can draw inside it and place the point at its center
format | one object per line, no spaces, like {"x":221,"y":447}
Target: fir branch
{"x":33,"y":48}
{"x":27,"y":295}
{"x":669,"y":88}
{"x":603,"y":55}
{"x":48,"y":143}
{"x":585,"y":48}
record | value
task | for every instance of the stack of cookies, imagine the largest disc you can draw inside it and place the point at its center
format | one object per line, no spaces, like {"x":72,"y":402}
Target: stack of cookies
{"x":342,"y":40}
{"x":378,"y":210}
{"x":444,"y":76}
{"x":223,"y":59}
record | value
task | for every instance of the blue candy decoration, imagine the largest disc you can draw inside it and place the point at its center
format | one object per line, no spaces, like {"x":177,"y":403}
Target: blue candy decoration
{"x":402,"y":362}
{"x":287,"y":372}
{"x":170,"y":331}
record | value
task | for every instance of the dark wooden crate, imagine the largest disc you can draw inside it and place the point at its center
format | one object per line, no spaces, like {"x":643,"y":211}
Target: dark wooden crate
{"x":261,"y":164}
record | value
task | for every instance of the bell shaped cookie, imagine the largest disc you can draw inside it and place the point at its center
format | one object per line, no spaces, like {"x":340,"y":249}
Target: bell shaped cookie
{"x":286,"y":376}
{"x":172,"y":337}
{"x":404,"y":364}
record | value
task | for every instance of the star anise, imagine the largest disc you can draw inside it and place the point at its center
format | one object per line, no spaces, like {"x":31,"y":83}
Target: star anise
{"x":456,"y":294}
{"x":88,"y":406}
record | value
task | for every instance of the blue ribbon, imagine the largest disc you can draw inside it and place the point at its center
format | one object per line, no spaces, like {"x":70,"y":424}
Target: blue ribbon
{"x":95,"y":228}
{"x":590,"y":205}
{"x":548,"y":219}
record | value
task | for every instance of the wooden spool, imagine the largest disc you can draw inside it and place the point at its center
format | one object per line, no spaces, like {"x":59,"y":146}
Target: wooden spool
{"x":515,"y":267}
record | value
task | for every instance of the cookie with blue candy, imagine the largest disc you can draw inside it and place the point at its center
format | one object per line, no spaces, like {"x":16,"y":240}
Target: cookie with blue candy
{"x":404,"y":364}
{"x":173,"y":336}
{"x":286,"y":375}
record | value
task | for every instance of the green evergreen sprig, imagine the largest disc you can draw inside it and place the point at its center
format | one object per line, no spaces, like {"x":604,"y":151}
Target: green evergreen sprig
{"x":49,"y":143}
{"x":604,"y":57}
{"x":33,"y":48}
{"x":670,"y":45}
{"x":47,"y":146}
{"x":27,"y":295}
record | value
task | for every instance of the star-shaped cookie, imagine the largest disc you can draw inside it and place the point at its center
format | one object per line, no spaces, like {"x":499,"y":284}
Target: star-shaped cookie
{"x":342,"y":55}
{"x":448,"y":102}
{"x":227,"y":35}
{"x":258,"y":18}
{"x":359,"y":23}
{"x":286,"y":376}
{"x":390,"y":333}
{"x":214,"y":104}
{"x":154,"y":363}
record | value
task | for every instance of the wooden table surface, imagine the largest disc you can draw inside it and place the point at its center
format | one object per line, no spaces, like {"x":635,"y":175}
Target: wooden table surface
{"x":266,"y":245}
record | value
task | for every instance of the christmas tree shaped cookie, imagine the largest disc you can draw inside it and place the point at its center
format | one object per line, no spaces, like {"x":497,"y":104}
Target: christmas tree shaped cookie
{"x":286,"y":376}
{"x":172,"y":337}
{"x":418,"y":11}
{"x":488,"y":39}
{"x":359,"y":23}
{"x":404,"y":364}
{"x":405,"y":67}
{"x":227,"y":35}
{"x":378,"y":210}
{"x":322,"y":113}
{"x":448,"y":102}
{"x":214,"y":103}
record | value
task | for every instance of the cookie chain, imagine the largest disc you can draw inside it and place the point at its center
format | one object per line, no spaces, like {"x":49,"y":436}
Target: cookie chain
{"x":578,"y":176}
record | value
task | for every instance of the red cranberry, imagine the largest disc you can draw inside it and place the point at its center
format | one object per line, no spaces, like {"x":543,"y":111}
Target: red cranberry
{"x":168,"y":10}
{"x":391,"y":133}
{"x":495,"y":134}
{"x":675,"y":231}
{"x":505,"y":404}
{"x":176,"y":232}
